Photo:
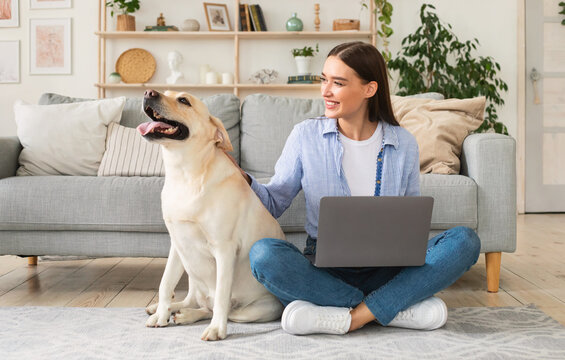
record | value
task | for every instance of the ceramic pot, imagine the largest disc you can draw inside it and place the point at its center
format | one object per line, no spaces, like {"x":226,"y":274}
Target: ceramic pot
{"x":190,"y":25}
{"x":114,"y":78}
{"x":303,"y":64}
{"x":125,"y":23}
{"x":294,"y":23}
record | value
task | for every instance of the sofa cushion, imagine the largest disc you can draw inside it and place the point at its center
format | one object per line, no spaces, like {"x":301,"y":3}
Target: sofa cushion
{"x":64,"y":139}
{"x":128,"y":154}
{"x":82,"y":203}
{"x":223,"y":106}
{"x":266,"y":122}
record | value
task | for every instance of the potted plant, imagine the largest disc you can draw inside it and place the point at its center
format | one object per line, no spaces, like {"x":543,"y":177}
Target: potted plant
{"x":125,"y":22}
{"x":303,"y":57}
{"x":432,"y":59}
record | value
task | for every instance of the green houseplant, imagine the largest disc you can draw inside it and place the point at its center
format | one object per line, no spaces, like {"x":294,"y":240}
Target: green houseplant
{"x":302,"y":56}
{"x":432,"y":59}
{"x":383,"y":16}
{"x":125,"y":22}
{"x":562,"y":12}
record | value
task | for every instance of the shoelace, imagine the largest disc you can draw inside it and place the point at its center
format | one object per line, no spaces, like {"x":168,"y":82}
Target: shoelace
{"x":331,"y":321}
{"x":405,"y":315}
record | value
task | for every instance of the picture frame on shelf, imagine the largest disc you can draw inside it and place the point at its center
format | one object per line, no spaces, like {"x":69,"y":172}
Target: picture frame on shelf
{"x":50,"y":46}
{"x":49,"y":4}
{"x":217,"y":17}
{"x":9,"y":13}
{"x":10,"y":62}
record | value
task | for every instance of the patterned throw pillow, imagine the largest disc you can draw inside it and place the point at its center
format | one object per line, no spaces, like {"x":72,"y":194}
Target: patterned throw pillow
{"x":128,"y":154}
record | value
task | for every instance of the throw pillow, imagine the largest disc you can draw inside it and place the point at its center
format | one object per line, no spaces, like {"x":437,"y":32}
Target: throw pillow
{"x":64,"y":139}
{"x":440,"y":126}
{"x":128,"y":154}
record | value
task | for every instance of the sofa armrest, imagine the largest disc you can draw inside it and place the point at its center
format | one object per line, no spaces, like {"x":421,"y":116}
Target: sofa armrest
{"x":490,"y":160}
{"x":10,"y":149}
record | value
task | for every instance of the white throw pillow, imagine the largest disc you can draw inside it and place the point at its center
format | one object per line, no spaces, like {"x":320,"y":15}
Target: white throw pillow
{"x":64,"y":139}
{"x":128,"y":154}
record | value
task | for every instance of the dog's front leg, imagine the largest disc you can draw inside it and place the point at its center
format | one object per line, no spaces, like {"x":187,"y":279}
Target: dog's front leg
{"x":173,"y":272}
{"x":225,"y":263}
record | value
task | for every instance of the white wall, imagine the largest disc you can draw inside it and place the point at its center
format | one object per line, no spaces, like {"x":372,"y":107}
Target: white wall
{"x":492,"y":22}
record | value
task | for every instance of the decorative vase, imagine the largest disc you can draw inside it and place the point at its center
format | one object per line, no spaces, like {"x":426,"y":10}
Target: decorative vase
{"x":114,"y":78}
{"x":294,"y":23}
{"x":125,"y":23}
{"x":190,"y":25}
{"x":303,"y":64}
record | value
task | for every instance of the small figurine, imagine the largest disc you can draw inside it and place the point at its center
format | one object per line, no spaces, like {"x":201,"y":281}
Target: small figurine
{"x":264,"y":76}
{"x":175,"y":59}
{"x":161,"y":20}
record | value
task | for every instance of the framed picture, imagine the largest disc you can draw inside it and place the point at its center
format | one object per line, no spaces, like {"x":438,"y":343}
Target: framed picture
{"x":9,"y":62}
{"x":217,"y":17}
{"x":9,"y":13}
{"x":50,"y":46}
{"x":49,"y":4}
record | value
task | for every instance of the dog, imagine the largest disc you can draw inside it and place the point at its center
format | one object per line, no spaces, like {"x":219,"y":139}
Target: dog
{"x":213,"y":217}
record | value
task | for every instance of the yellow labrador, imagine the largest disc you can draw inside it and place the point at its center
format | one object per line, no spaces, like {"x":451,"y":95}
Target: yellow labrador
{"x":213,"y":218}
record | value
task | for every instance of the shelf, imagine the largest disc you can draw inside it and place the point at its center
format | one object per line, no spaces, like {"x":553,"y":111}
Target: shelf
{"x":209,"y":87}
{"x":349,"y":34}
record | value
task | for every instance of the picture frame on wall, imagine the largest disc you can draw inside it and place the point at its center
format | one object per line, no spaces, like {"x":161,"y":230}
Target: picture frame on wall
{"x":217,"y":17}
{"x":50,"y":46}
{"x":9,"y":13}
{"x":49,"y":4}
{"x":10,"y":62}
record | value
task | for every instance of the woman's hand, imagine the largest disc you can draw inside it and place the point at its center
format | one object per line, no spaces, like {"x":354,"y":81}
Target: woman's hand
{"x":243,"y":173}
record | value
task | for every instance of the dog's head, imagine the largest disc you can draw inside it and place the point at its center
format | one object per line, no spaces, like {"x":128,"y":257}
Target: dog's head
{"x":180,"y":117}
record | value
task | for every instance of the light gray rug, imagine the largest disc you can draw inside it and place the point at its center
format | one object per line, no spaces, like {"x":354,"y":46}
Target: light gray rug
{"x":119,"y":333}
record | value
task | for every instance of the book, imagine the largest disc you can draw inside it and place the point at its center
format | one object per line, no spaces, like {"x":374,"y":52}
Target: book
{"x":161,"y":28}
{"x":248,"y":19}
{"x":303,"y":82}
{"x":304,"y":78}
{"x":254,"y":17}
{"x":262,"y":22}
{"x":243,"y":25}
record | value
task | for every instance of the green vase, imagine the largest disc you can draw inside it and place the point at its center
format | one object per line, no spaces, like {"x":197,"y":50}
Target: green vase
{"x":294,"y":23}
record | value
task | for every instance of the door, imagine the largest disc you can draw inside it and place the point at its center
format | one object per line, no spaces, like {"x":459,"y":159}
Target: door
{"x":545,"y":107}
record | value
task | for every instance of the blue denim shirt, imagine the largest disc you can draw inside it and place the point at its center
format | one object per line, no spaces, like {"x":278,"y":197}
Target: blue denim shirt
{"x":312,"y":160}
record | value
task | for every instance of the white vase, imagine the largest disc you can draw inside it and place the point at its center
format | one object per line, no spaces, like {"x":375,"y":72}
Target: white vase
{"x":303,"y":64}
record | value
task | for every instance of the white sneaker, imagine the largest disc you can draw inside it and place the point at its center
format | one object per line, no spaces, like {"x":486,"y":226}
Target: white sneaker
{"x":429,"y":314}
{"x":301,"y":318}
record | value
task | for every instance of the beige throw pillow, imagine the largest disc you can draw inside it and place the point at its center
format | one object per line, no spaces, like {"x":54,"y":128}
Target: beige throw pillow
{"x":64,"y":139}
{"x":128,"y":154}
{"x":440,"y":126}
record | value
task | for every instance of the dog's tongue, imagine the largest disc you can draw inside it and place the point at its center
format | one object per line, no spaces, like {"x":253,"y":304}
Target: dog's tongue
{"x":150,"y":126}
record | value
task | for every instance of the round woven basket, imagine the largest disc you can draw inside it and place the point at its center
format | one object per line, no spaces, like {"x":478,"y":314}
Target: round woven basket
{"x":136,"y":66}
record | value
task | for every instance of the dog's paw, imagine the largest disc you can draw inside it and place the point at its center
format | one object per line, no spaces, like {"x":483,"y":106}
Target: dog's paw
{"x":214,"y":332}
{"x":151,"y":309}
{"x":158,"y":320}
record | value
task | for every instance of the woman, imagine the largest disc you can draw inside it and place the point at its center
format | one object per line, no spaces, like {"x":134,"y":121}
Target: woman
{"x":339,"y":155}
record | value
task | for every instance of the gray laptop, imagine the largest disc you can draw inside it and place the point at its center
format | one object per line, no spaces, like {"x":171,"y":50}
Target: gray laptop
{"x":373,"y":231}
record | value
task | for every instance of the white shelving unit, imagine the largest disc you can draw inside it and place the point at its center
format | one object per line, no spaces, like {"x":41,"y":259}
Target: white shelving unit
{"x":236,"y":36}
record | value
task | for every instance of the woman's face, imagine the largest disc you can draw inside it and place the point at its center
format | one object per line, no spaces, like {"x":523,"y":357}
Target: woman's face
{"x":345,"y":93}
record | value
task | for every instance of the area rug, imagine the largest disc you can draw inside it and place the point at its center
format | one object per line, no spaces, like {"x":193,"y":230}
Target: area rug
{"x":119,"y":333}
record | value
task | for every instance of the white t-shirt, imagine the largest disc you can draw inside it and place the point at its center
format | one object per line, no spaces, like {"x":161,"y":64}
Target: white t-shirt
{"x":360,"y":162}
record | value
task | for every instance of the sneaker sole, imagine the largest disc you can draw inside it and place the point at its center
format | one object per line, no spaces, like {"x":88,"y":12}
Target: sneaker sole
{"x":288,"y":310}
{"x":443,"y":314}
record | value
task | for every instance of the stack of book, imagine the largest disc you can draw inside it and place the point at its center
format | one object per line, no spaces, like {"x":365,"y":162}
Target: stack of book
{"x":304,"y":79}
{"x":251,"y":18}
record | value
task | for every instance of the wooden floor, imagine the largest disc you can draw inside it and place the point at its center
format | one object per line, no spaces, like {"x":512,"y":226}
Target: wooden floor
{"x":535,"y":273}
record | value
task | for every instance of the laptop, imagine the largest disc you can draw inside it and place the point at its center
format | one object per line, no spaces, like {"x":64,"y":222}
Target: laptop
{"x":373,"y":231}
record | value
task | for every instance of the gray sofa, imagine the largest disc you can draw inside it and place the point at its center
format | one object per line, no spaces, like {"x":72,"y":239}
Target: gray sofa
{"x":106,"y":216}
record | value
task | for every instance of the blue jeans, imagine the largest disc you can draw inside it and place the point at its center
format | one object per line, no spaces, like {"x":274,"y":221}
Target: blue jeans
{"x":285,"y":272}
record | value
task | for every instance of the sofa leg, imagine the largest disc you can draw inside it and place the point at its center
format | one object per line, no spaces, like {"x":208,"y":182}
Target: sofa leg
{"x":32,"y":260}
{"x":493,"y":271}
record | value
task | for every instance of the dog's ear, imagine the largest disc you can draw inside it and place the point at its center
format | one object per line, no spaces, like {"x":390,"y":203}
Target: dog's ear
{"x":222,"y":138}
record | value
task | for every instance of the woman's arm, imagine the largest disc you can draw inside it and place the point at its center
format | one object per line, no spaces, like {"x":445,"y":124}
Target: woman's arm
{"x":278,"y":194}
